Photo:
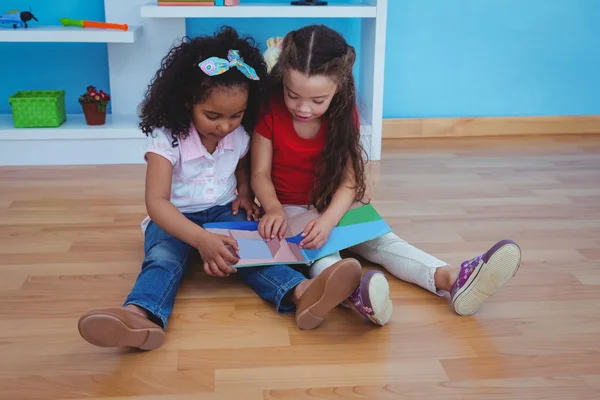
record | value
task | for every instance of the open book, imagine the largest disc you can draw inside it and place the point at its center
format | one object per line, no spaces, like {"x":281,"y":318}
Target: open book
{"x":360,"y":224}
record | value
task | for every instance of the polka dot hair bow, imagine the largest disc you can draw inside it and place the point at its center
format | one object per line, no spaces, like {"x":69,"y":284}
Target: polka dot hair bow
{"x":216,"y":66}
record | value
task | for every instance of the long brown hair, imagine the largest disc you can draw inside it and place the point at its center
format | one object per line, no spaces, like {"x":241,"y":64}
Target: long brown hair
{"x":319,"y":50}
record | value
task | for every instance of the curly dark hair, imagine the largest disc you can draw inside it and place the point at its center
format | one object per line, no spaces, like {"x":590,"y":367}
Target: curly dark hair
{"x":180,"y":83}
{"x":319,"y":50}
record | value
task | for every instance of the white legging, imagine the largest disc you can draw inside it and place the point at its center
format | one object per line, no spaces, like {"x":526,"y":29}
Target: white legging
{"x":399,"y":258}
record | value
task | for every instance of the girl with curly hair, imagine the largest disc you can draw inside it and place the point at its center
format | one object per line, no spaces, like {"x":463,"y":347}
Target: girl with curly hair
{"x":306,"y":152}
{"x":197,"y":111}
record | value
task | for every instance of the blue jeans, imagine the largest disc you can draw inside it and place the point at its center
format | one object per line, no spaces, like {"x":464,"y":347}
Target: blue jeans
{"x":167,"y":259}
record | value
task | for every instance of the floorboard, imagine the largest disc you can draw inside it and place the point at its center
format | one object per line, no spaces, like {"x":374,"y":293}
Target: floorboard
{"x":70,"y":240}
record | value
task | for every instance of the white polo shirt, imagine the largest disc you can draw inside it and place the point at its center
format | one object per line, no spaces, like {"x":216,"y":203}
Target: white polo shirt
{"x":200,"y":180}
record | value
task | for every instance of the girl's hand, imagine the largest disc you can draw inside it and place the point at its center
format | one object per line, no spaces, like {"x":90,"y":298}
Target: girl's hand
{"x":216,"y":255}
{"x":245,"y":203}
{"x":273,"y":224}
{"x":316,"y":233}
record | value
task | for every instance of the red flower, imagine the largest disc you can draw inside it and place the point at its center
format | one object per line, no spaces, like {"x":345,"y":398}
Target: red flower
{"x":94,"y":96}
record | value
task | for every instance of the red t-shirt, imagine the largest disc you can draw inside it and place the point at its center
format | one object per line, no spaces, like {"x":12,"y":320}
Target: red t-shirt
{"x":293,"y":168}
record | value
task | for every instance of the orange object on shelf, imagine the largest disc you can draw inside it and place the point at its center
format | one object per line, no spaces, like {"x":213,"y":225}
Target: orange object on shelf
{"x":81,"y":23}
{"x":106,"y":25}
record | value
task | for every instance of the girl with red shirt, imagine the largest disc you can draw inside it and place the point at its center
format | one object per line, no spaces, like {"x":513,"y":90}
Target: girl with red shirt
{"x":306,"y":152}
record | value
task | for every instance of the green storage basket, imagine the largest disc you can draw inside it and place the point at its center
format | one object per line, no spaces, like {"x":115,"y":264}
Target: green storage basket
{"x":38,"y":108}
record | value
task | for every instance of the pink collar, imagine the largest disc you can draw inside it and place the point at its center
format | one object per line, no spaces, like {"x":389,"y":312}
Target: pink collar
{"x":192,"y":147}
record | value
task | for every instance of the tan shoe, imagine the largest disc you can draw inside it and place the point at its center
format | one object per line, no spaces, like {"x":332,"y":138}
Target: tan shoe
{"x":326,"y":291}
{"x":118,"y":327}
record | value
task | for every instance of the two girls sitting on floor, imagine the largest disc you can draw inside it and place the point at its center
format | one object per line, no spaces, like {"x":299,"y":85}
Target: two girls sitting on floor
{"x":198,"y":114}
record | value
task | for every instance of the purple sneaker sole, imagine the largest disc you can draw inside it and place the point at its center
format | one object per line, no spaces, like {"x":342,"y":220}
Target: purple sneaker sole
{"x":372,"y":298}
{"x":493,"y":270}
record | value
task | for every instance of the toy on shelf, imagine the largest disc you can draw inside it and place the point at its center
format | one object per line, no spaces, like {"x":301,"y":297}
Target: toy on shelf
{"x":271,"y":55}
{"x":92,"y":24}
{"x":17,"y":18}
{"x":309,"y":3}
{"x":38,"y":108}
{"x":94,"y":104}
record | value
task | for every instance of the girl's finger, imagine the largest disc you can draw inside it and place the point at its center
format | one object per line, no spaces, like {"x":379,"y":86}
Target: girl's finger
{"x":261,"y":228}
{"x":307,"y":241}
{"x":248,"y":210}
{"x":276,"y":228}
{"x":308,"y":228}
{"x":228,"y":240}
{"x":215,"y":268}
{"x":283,"y":229}
{"x":212,"y":268}
{"x":226,"y":269}
{"x":268,"y":228}
{"x":255,"y":212}
{"x":229,"y":257}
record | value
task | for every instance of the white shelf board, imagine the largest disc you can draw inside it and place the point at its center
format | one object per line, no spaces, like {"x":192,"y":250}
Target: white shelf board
{"x":119,"y":141}
{"x":260,"y":11}
{"x":69,"y":34}
{"x":74,"y":128}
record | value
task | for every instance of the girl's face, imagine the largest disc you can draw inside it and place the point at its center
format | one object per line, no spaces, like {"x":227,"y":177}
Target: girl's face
{"x":307,"y":98}
{"x":221,"y":113}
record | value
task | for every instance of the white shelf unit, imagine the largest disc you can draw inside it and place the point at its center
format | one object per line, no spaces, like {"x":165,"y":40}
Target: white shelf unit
{"x":74,"y":142}
{"x":260,"y":11}
{"x":70,"y":34}
{"x":132,"y":64}
{"x":74,"y":128}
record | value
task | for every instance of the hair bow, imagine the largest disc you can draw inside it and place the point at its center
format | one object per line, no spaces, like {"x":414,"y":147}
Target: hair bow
{"x":216,"y":66}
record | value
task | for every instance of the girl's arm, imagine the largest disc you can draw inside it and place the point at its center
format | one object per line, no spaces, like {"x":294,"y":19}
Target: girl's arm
{"x":318,"y":230}
{"x":274,"y":221}
{"x":163,"y":213}
{"x":242,"y":174}
{"x":245,"y":198}
{"x":160,"y":209}
{"x":343,"y":198}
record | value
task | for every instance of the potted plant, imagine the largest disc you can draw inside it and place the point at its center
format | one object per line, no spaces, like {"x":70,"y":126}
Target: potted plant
{"x":94,"y":104}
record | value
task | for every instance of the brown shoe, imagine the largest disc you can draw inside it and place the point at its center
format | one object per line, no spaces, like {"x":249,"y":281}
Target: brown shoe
{"x":118,"y":327}
{"x":327,"y":290}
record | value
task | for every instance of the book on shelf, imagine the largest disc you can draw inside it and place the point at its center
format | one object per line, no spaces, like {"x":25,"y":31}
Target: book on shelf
{"x":188,"y":3}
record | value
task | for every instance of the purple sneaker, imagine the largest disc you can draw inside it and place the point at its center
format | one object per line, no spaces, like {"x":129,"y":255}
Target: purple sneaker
{"x":371,"y":299}
{"x":481,"y":277}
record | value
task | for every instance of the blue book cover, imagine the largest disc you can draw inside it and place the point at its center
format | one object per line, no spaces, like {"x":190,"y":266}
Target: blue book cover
{"x":360,"y":224}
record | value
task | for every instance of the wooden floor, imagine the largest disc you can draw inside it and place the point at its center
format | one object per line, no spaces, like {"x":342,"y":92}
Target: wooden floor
{"x":70,"y":241}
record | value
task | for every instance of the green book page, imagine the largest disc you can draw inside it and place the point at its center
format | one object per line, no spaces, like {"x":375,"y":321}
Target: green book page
{"x":360,"y":215}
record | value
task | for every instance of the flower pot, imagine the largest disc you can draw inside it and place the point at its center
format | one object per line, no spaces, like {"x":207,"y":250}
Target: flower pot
{"x":92,"y":115}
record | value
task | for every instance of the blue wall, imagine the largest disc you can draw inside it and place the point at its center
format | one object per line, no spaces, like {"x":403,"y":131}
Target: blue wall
{"x":443,"y":58}
{"x":492,"y":57}
{"x":68,"y":66}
